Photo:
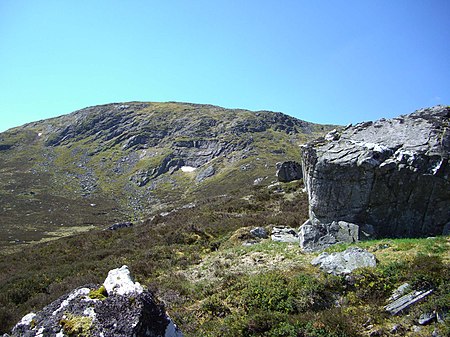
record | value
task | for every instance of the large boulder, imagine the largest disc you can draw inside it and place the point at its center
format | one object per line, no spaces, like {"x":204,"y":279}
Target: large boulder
{"x":289,"y":171}
{"x":389,"y":177}
{"x":118,"y":308}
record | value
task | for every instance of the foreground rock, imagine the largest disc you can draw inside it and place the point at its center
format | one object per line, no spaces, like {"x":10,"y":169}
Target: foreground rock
{"x":289,"y":171}
{"x":119,"y":308}
{"x":345,"y":262}
{"x":389,"y":177}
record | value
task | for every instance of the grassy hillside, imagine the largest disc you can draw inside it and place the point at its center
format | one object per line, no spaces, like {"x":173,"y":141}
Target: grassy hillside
{"x":121,"y":162}
{"x":213,"y":285}
{"x":78,"y":173}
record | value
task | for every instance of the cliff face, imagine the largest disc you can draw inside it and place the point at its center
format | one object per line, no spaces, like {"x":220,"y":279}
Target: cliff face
{"x":389,"y":177}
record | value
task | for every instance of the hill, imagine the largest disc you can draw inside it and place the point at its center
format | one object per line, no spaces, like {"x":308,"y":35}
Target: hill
{"x":122,"y":162}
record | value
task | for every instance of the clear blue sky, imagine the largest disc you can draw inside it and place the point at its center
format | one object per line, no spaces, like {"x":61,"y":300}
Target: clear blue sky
{"x":323,"y":61}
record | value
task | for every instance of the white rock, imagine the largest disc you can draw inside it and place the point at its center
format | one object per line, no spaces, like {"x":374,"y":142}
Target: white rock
{"x":436,"y":168}
{"x":26,"y":320}
{"x":332,"y":135}
{"x":376,"y":147}
{"x":120,"y":282}
{"x":258,"y":181}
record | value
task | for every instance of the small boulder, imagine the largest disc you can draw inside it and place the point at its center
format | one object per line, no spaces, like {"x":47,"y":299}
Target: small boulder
{"x":399,"y":292}
{"x":259,"y":232}
{"x":344,"y":262}
{"x":289,"y":171}
{"x":284,"y":234}
{"x":119,"y":225}
{"x":258,"y":181}
{"x":426,"y":317}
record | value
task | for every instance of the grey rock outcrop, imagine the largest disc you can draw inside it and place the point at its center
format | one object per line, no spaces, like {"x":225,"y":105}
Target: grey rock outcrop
{"x":389,"y":177}
{"x":345,"y":262}
{"x":206,"y":173}
{"x":399,"y":292}
{"x":289,"y":171}
{"x":406,"y":301}
{"x":319,"y":236}
{"x":125,"y":310}
{"x":284,"y":234}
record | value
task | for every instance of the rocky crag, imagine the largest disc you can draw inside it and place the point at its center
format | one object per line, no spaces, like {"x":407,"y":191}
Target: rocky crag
{"x":118,"y":308}
{"x":388,"y":178}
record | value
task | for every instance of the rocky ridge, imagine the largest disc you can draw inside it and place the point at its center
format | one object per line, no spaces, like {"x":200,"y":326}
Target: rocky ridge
{"x":390,"y":178}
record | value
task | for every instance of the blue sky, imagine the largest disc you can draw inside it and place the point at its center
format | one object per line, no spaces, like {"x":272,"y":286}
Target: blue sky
{"x":324,"y":61}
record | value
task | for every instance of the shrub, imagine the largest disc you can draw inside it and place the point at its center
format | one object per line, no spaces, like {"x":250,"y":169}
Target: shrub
{"x":396,"y":271}
{"x":370,"y":284}
{"x":310,"y":292}
{"x":270,"y":292}
{"x":439,"y":301}
{"x":274,"y":291}
{"x":214,"y":306}
{"x":330,"y":323}
{"x":427,"y":272}
{"x":260,"y":322}
{"x":285,"y":329}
